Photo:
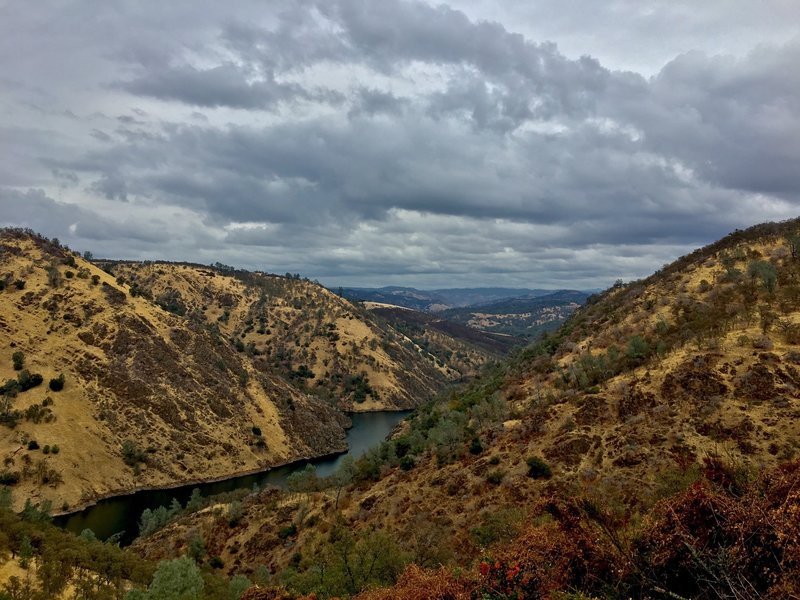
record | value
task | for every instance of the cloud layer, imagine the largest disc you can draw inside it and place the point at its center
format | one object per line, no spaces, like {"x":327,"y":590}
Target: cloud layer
{"x":394,"y":142}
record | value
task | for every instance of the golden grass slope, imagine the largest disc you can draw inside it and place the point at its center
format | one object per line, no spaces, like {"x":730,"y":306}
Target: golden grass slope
{"x":298,"y":330}
{"x":185,"y":401}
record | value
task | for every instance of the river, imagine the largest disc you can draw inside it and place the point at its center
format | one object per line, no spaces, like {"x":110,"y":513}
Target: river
{"x":121,"y":513}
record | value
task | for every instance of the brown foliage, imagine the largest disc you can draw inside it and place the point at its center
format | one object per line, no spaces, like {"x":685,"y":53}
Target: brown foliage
{"x":694,"y":381}
{"x":422,"y":584}
{"x":707,"y":543}
{"x":258,"y":593}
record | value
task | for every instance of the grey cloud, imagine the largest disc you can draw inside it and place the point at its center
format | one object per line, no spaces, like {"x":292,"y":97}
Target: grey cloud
{"x":36,"y":210}
{"x":736,"y":122}
{"x":389,"y":142}
{"x":371,"y":102}
{"x":223,"y":85}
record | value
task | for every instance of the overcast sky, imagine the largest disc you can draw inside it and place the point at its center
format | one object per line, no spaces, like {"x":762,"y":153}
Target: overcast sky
{"x":546,"y":143}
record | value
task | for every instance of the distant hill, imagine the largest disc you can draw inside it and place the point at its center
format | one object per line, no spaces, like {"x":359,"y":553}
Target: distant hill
{"x":524,"y":317}
{"x":459,"y":346}
{"x":436,"y":300}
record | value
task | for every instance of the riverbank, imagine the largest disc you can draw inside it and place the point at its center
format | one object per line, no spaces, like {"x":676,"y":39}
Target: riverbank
{"x":120,"y":513}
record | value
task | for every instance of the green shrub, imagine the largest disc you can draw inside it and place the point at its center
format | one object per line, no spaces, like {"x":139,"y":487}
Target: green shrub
{"x":475,"y":446}
{"x":9,"y":477}
{"x":18,"y":358}
{"x":33,"y":445}
{"x":407,"y":463}
{"x":28,"y":380}
{"x":288,"y":532}
{"x":235,"y":513}
{"x":132,"y":455}
{"x":57,"y":384}
{"x":495,"y":477}
{"x":538,"y":468}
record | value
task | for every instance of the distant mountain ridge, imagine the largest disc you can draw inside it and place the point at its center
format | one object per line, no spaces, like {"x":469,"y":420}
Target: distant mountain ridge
{"x":440,"y":299}
{"x":525,"y":317}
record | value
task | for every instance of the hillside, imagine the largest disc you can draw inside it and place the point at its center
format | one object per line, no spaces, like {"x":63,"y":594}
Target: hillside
{"x":463,"y":348}
{"x":163,"y":374}
{"x":526,"y":316}
{"x":149,"y":398}
{"x":298,"y":330}
{"x":603,"y":444}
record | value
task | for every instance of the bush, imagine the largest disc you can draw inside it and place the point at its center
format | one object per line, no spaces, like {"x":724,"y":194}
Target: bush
{"x":407,"y":463}
{"x":496,"y":476}
{"x":288,"y":532}
{"x":18,"y":358}
{"x":28,"y":380}
{"x":538,"y":468}
{"x":235,"y":513}
{"x":9,"y":477}
{"x":10,"y":389}
{"x":132,"y":455}
{"x":475,"y":446}
{"x":33,"y":445}
{"x":57,"y":384}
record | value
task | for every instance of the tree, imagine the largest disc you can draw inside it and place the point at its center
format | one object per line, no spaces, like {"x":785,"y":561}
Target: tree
{"x":28,"y":380}
{"x":197,"y":545}
{"x":235,"y":513}
{"x":25,"y":552}
{"x":793,"y":239}
{"x":54,"y":276}
{"x":18,"y":358}
{"x":177,"y":579}
{"x":304,"y":481}
{"x":638,"y":349}
{"x":195,"y":502}
{"x":343,"y":476}
{"x":761,"y":269}
{"x":238,"y":585}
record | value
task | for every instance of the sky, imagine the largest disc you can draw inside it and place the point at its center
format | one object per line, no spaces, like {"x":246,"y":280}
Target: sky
{"x":548,"y":144}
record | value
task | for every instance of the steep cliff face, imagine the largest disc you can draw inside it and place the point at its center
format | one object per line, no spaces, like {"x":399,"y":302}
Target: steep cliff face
{"x":149,"y":398}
